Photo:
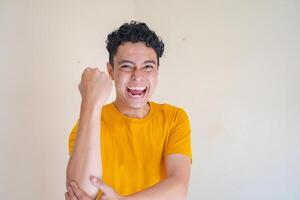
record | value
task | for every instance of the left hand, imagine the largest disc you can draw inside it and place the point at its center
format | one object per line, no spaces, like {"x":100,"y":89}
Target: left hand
{"x":76,"y":193}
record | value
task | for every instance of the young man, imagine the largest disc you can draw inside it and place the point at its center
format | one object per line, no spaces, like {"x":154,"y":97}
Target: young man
{"x":131,"y":148}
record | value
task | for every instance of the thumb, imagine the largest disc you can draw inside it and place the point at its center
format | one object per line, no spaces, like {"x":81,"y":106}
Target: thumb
{"x":100,"y":185}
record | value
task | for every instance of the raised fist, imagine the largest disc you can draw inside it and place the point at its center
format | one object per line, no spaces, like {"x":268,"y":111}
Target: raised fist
{"x":95,"y":86}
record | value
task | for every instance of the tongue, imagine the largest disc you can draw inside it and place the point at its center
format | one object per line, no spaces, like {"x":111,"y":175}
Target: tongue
{"x":136,"y":92}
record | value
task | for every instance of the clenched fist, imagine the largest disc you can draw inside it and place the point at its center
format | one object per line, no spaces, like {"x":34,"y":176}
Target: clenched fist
{"x":95,"y":86}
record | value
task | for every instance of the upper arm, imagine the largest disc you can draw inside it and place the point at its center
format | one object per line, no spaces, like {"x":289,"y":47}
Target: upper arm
{"x":179,"y":167}
{"x":179,"y":136}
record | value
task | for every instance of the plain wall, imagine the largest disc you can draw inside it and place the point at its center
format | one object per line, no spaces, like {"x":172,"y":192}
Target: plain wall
{"x":233,"y":66}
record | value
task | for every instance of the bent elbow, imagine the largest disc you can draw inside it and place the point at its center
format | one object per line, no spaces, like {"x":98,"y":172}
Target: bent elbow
{"x":181,"y":191}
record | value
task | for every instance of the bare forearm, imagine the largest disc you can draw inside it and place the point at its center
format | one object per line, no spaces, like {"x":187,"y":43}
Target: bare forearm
{"x":170,"y":188}
{"x":86,"y":159}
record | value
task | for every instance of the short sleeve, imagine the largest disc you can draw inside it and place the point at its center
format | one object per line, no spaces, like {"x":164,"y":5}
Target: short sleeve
{"x":179,"y":139}
{"x":72,"y":138}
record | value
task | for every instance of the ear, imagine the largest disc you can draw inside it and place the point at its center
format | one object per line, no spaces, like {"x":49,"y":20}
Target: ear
{"x":110,"y":70}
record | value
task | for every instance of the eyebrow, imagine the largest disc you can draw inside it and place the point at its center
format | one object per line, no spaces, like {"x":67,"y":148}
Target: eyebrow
{"x":150,"y":61}
{"x":125,"y":61}
{"x":128,"y":61}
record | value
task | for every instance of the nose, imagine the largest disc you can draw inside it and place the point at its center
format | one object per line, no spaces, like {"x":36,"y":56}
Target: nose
{"x":136,"y":74}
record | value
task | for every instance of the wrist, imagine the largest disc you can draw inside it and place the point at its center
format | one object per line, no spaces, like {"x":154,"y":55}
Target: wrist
{"x":91,"y":106}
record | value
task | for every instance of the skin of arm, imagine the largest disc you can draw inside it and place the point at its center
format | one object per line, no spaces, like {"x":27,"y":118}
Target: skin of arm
{"x":85,"y":160}
{"x":174,"y":187}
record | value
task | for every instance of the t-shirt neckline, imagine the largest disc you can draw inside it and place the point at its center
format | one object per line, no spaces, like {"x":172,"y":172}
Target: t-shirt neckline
{"x":131,"y":119}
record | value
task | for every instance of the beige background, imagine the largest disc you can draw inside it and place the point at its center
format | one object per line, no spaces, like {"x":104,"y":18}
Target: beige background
{"x":233,"y":65}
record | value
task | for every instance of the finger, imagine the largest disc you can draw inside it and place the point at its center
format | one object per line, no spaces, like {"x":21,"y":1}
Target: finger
{"x":106,"y":75}
{"x":71,"y":194}
{"x":78,"y":192}
{"x":67,"y":196}
{"x":100,"y":185}
{"x":87,"y":69}
{"x":92,"y":69}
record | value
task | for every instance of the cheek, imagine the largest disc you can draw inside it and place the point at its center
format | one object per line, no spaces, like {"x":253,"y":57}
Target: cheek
{"x":120,"y":82}
{"x":153,"y":80}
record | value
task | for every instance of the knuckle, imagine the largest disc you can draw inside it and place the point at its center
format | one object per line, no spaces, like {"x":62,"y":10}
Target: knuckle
{"x":86,"y":69}
{"x":94,"y":69}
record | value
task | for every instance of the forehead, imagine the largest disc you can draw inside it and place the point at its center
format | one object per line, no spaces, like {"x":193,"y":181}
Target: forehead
{"x":135,"y":52}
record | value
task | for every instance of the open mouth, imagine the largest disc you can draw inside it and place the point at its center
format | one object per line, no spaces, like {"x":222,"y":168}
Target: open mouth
{"x":136,"y":91}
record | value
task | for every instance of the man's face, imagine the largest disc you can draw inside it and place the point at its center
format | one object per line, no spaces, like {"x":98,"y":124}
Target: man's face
{"x":135,"y":74}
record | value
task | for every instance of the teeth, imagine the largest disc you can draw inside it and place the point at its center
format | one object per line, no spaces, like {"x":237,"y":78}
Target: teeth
{"x":136,"y":88}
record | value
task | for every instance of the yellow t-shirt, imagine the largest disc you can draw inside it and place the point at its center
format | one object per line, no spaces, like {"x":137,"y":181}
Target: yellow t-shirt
{"x":133,"y":150}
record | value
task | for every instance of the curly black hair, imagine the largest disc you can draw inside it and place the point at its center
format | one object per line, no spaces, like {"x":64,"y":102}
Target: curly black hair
{"x":133,"y":32}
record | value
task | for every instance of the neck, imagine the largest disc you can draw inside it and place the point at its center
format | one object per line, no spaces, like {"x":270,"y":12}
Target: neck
{"x":132,"y":112}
